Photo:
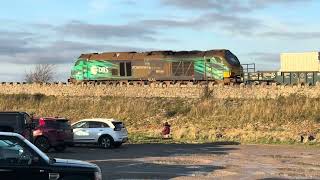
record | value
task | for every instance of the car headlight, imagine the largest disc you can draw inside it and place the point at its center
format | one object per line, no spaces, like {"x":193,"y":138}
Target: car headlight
{"x":98,"y":175}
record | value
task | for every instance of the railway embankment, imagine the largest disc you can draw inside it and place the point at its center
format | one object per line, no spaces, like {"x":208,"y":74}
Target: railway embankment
{"x":162,"y":90}
{"x":257,"y":114}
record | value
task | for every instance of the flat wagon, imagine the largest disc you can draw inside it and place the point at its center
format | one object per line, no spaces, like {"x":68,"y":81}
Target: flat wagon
{"x":284,"y":78}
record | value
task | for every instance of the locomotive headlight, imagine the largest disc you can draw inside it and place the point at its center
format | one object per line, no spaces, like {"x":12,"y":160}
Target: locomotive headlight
{"x":227,"y":74}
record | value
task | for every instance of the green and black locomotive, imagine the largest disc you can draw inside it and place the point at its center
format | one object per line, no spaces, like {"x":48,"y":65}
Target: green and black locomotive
{"x":182,"y":66}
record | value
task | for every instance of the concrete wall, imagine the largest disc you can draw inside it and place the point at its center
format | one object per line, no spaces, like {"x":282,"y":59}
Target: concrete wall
{"x":239,"y":91}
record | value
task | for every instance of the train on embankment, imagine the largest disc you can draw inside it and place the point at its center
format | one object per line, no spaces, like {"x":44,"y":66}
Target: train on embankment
{"x":184,"y":67}
{"x":220,"y":66}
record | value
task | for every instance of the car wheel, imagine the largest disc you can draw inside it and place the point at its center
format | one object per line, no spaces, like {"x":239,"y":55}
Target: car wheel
{"x":60,"y":148}
{"x":43,"y":144}
{"x":117,"y":144}
{"x":106,"y":142}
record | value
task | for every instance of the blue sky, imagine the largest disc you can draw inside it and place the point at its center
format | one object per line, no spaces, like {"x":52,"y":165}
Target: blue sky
{"x":57,"y":32}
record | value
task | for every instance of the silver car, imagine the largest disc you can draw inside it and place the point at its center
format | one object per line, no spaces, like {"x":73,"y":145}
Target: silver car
{"x":107,"y":133}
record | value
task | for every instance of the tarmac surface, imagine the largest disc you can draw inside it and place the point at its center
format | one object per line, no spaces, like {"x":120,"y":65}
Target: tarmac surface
{"x":201,"y":161}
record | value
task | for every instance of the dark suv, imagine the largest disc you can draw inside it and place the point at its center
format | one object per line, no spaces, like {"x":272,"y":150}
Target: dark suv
{"x":19,"y":160}
{"x":52,"y":132}
{"x":18,"y":122}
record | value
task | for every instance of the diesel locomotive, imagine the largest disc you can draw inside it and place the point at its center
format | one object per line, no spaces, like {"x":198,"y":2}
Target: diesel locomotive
{"x":219,"y":66}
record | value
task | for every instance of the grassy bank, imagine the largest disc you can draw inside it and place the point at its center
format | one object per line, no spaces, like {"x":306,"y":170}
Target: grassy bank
{"x":280,"y":120}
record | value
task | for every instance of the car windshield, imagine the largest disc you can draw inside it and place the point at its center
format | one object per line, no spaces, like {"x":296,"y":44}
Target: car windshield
{"x":7,"y":143}
{"x":38,"y":151}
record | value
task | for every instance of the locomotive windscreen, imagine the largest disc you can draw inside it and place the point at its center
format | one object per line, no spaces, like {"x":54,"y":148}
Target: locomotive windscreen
{"x":232,"y":59}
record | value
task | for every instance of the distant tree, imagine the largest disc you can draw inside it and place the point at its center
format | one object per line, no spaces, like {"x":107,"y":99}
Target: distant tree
{"x":41,"y":73}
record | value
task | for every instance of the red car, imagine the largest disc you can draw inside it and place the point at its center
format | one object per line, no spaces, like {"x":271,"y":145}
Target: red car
{"x":52,"y":132}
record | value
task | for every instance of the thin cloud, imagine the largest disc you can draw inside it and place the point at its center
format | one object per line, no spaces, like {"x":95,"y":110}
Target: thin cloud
{"x":213,"y":5}
{"x":265,"y":3}
{"x":57,"y":52}
{"x":191,"y":4}
{"x":15,"y":42}
{"x":98,"y":6}
{"x":266,"y":57}
{"x":129,"y":2}
{"x":16,"y":34}
{"x":265,"y":61}
{"x":230,"y":6}
{"x":292,"y":35}
{"x":239,"y":25}
{"x":106,"y":31}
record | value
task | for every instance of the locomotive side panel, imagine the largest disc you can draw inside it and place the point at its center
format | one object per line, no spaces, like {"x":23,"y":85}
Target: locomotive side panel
{"x":195,"y":69}
{"x":214,"y":65}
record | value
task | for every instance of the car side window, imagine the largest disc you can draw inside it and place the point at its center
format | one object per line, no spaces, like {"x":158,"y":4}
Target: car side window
{"x":13,"y":153}
{"x":105,"y":125}
{"x":93,"y":124}
{"x":83,"y":124}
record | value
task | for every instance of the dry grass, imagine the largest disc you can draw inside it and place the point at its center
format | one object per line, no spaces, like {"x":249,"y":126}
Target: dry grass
{"x":280,"y":120}
{"x":182,"y":160}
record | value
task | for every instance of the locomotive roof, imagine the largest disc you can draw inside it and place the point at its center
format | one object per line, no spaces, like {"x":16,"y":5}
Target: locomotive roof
{"x":152,"y":55}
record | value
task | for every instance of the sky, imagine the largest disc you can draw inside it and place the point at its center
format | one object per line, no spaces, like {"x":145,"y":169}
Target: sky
{"x":59,"y":31}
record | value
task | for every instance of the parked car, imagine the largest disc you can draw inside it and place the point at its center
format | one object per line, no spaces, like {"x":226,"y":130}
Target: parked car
{"x":18,"y":122}
{"x":20,"y":159}
{"x":107,"y":133}
{"x":52,"y":132}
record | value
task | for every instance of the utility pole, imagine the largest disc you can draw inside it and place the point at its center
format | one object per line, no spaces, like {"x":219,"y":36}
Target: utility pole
{"x":206,"y":90}
{"x":205,"y":69}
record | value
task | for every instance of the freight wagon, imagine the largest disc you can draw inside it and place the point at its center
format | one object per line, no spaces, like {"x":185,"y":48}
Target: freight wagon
{"x":284,"y":78}
{"x":170,"y":66}
{"x":300,"y":62}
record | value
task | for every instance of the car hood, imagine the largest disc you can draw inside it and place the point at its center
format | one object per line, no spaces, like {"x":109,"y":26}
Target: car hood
{"x":75,"y":164}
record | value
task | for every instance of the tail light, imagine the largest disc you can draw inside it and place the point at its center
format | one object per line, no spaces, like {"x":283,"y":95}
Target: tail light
{"x":42,"y":122}
{"x":117,"y":128}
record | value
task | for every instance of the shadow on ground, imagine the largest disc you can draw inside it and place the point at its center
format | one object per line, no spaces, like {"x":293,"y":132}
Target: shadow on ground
{"x":151,"y":161}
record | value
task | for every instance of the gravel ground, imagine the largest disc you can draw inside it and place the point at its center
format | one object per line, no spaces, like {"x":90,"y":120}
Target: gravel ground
{"x":201,"y":161}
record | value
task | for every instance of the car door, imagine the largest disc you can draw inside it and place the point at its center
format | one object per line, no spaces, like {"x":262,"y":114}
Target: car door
{"x":17,"y":161}
{"x":81,"y":132}
{"x":96,"y":130}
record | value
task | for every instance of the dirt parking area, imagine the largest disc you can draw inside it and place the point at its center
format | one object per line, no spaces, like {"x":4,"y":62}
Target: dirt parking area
{"x":201,"y":161}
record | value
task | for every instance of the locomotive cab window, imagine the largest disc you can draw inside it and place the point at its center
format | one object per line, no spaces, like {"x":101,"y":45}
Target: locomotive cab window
{"x":122,"y":69}
{"x":128,"y":69}
{"x":125,"y":69}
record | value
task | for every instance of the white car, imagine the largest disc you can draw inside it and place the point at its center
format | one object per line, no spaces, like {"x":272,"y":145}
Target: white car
{"x":107,"y":133}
